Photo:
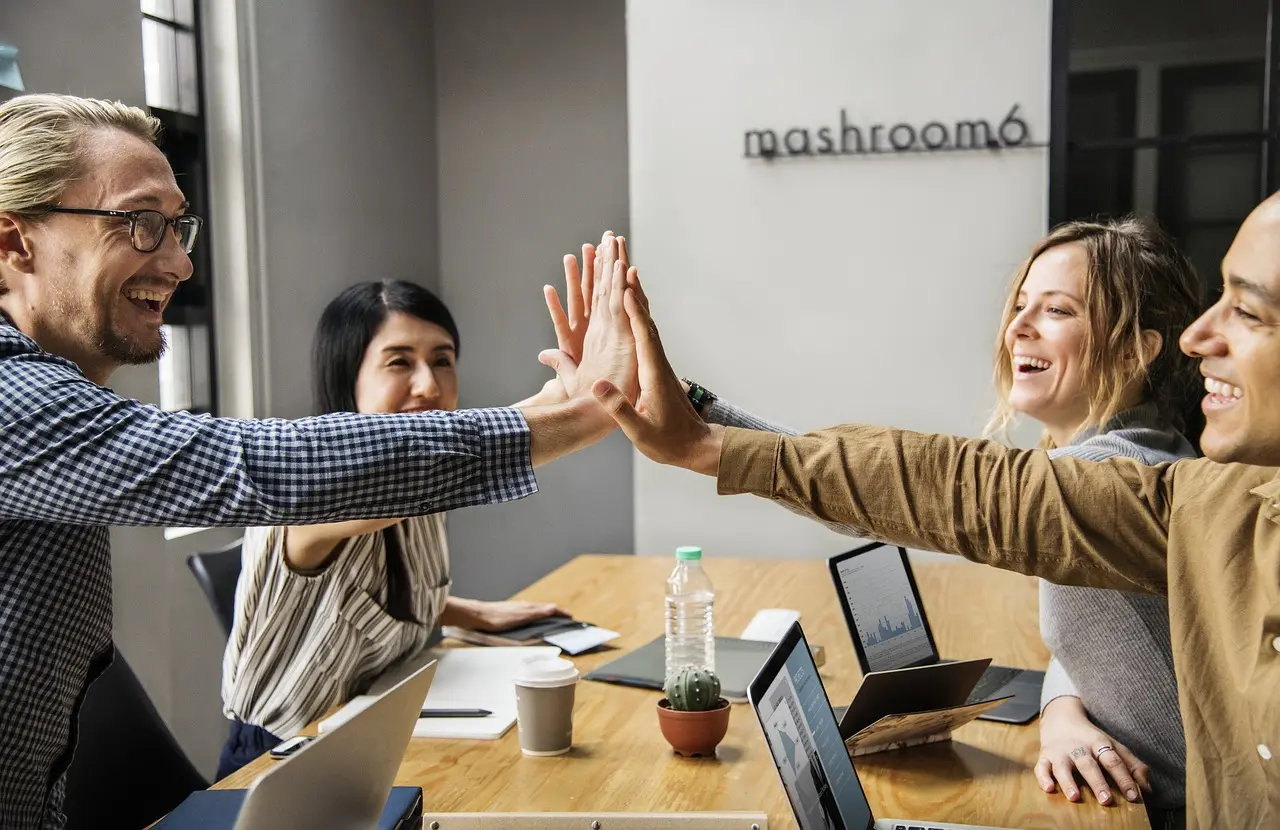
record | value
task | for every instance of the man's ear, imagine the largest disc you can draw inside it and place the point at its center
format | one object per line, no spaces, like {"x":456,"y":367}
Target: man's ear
{"x":15,"y":243}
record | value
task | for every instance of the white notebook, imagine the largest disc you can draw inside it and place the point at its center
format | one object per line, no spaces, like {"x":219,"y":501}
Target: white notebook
{"x":466,"y":678}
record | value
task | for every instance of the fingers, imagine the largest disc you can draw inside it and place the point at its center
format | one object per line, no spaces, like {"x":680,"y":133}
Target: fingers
{"x":1094,"y":778}
{"x":606,"y":256}
{"x":1064,"y":773}
{"x":624,"y":256}
{"x":588,"y":277}
{"x":1141,"y":772}
{"x":564,"y":332}
{"x":633,"y":282}
{"x":649,"y":353}
{"x":1044,"y":775}
{"x":1116,"y":767}
{"x":573,"y":288}
{"x":605,"y":260}
{"x":617,"y":287}
{"x":564,"y":366}
{"x":621,"y":410}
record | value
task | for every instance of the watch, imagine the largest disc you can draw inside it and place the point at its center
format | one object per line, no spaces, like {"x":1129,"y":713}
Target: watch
{"x":699,"y":396}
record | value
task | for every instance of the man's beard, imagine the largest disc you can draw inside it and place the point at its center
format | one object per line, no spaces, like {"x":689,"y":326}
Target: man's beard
{"x":128,"y":351}
{"x":123,"y":349}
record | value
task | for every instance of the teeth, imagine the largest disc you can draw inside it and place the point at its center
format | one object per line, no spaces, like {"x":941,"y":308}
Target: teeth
{"x":1023,"y":361}
{"x":134,"y":294}
{"x":1217,"y":387}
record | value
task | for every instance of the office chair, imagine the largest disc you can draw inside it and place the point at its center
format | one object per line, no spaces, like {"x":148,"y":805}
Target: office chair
{"x":217,"y":572}
{"x":127,"y":770}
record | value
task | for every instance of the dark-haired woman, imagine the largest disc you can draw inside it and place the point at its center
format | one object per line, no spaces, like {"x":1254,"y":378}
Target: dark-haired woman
{"x":322,"y":610}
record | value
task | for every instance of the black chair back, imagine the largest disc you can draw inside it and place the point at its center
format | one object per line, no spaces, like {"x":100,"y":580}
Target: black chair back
{"x":217,"y":572}
{"x":127,"y":771}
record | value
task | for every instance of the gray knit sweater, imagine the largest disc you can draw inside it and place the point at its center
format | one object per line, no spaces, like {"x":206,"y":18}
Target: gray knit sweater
{"x":1110,"y":648}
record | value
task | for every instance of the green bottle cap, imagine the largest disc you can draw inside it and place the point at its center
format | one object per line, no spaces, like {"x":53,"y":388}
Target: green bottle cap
{"x":688,"y":554}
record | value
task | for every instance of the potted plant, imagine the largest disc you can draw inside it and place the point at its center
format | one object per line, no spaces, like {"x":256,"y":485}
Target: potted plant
{"x":693,"y":716}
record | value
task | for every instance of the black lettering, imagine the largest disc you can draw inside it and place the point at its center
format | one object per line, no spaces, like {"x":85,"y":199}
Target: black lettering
{"x":940,"y":129}
{"x":875,"y":137}
{"x":803,"y":149}
{"x":973,"y":134}
{"x":826,"y":144}
{"x":845,"y":129}
{"x":766,"y":143}
{"x":902,"y":145}
{"x":1011,"y":120}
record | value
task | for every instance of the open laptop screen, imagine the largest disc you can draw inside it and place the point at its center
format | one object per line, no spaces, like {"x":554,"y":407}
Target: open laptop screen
{"x":882,"y":606}
{"x":805,"y":741}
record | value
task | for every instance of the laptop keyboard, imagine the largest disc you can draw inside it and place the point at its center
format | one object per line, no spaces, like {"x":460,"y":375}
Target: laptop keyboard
{"x":992,"y":679}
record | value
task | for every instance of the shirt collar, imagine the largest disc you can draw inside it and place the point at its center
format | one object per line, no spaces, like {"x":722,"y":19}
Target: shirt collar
{"x":1269,"y":491}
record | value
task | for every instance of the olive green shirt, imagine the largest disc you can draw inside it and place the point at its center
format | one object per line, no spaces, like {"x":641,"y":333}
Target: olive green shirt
{"x":1205,"y":534}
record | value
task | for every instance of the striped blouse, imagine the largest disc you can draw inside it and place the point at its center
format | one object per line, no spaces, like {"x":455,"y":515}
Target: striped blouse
{"x":305,"y":642}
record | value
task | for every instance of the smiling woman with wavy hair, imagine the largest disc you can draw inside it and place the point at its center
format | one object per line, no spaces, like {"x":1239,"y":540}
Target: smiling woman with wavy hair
{"x":1088,"y":347}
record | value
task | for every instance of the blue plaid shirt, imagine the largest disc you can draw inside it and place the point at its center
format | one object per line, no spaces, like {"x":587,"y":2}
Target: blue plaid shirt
{"x":75,"y":457}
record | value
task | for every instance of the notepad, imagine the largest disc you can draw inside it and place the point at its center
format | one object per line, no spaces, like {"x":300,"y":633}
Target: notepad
{"x":466,"y":678}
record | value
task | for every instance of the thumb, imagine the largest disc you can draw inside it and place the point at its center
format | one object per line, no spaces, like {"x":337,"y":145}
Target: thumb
{"x":619,"y":408}
{"x":560,"y":362}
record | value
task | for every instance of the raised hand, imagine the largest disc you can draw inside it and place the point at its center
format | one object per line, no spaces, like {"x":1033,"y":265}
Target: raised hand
{"x":662,"y":424}
{"x":580,"y":288}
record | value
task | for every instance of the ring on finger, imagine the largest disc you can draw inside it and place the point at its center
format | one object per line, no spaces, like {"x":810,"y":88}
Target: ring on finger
{"x":1097,"y":753}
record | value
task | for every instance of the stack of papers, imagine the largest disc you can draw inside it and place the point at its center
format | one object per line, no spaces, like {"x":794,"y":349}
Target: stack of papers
{"x":466,"y":678}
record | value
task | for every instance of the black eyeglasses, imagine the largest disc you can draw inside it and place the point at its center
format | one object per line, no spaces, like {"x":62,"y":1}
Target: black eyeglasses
{"x":147,"y":227}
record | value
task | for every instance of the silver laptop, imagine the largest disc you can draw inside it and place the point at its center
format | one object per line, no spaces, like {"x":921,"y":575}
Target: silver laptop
{"x":800,"y":728}
{"x":341,"y":780}
{"x":890,"y":631}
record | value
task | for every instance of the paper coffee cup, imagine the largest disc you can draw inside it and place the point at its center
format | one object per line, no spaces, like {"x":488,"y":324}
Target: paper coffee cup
{"x":544,"y":705}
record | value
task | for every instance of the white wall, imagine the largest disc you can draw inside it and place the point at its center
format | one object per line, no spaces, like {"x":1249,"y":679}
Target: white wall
{"x":825,"y":290}
{"x":533,"y":162}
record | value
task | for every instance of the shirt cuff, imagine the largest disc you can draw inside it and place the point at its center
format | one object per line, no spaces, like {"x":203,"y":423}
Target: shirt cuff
{"x":748,"y":462}
{"x":503,"y":446}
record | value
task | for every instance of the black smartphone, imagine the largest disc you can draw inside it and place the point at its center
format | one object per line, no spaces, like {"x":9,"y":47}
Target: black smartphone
{"x":287,"y":748}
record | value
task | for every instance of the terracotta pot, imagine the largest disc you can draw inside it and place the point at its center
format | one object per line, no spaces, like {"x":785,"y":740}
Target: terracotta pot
{"x":694,"y":734}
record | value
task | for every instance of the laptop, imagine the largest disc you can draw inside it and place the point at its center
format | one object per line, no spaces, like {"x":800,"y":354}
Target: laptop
{"x":341,"y":780}
{"x":821,"y":784}
{"x":890,"y":630}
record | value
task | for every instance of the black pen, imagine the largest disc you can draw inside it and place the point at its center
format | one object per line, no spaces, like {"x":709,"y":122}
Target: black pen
{"x":455,"y":713}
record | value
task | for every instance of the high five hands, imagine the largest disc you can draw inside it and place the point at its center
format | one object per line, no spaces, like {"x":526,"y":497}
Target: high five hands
{"x":649,"y":403}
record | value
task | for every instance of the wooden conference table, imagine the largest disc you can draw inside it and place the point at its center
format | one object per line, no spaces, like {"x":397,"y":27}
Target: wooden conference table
{"x":620,"y":761}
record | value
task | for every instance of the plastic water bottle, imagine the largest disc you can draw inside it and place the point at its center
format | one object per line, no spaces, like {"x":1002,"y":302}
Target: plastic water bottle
{"x":691,"y":632}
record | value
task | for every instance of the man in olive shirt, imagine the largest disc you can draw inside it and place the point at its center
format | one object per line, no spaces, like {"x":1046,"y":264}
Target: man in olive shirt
{"x":1206,"y":532}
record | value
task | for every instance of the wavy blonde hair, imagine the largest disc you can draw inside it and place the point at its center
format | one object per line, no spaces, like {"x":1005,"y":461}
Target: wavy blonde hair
{"x":1138,"y":280}
{"x":41,"y":139}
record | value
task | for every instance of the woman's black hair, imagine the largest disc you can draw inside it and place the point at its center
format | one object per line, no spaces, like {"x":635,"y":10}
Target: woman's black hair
{"x":349,"y":324}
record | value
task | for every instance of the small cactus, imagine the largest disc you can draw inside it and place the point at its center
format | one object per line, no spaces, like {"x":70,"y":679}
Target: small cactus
{"x":693,"y":690}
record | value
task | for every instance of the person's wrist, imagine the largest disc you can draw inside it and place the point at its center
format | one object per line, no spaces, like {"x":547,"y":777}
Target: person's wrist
{"x":705,"y":457}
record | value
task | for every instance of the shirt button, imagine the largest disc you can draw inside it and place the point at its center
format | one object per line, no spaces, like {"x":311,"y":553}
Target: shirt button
{"x":1264,"y":751}
{"x":1276,"y":643}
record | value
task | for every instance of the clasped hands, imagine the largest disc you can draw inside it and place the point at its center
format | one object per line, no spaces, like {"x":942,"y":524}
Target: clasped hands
{"x":608,"y":349}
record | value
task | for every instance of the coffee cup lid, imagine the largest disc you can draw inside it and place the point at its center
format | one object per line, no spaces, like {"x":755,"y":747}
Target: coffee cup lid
{"x":546,"y":672}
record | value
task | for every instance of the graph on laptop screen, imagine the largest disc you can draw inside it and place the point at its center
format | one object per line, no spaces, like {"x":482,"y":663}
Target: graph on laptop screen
{"x":805,"y":743}
{"x":885,"y":612}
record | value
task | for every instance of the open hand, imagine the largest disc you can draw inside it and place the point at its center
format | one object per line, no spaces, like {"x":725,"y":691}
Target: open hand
{"x":1071,"y":743}
{"x":571,"y":325}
